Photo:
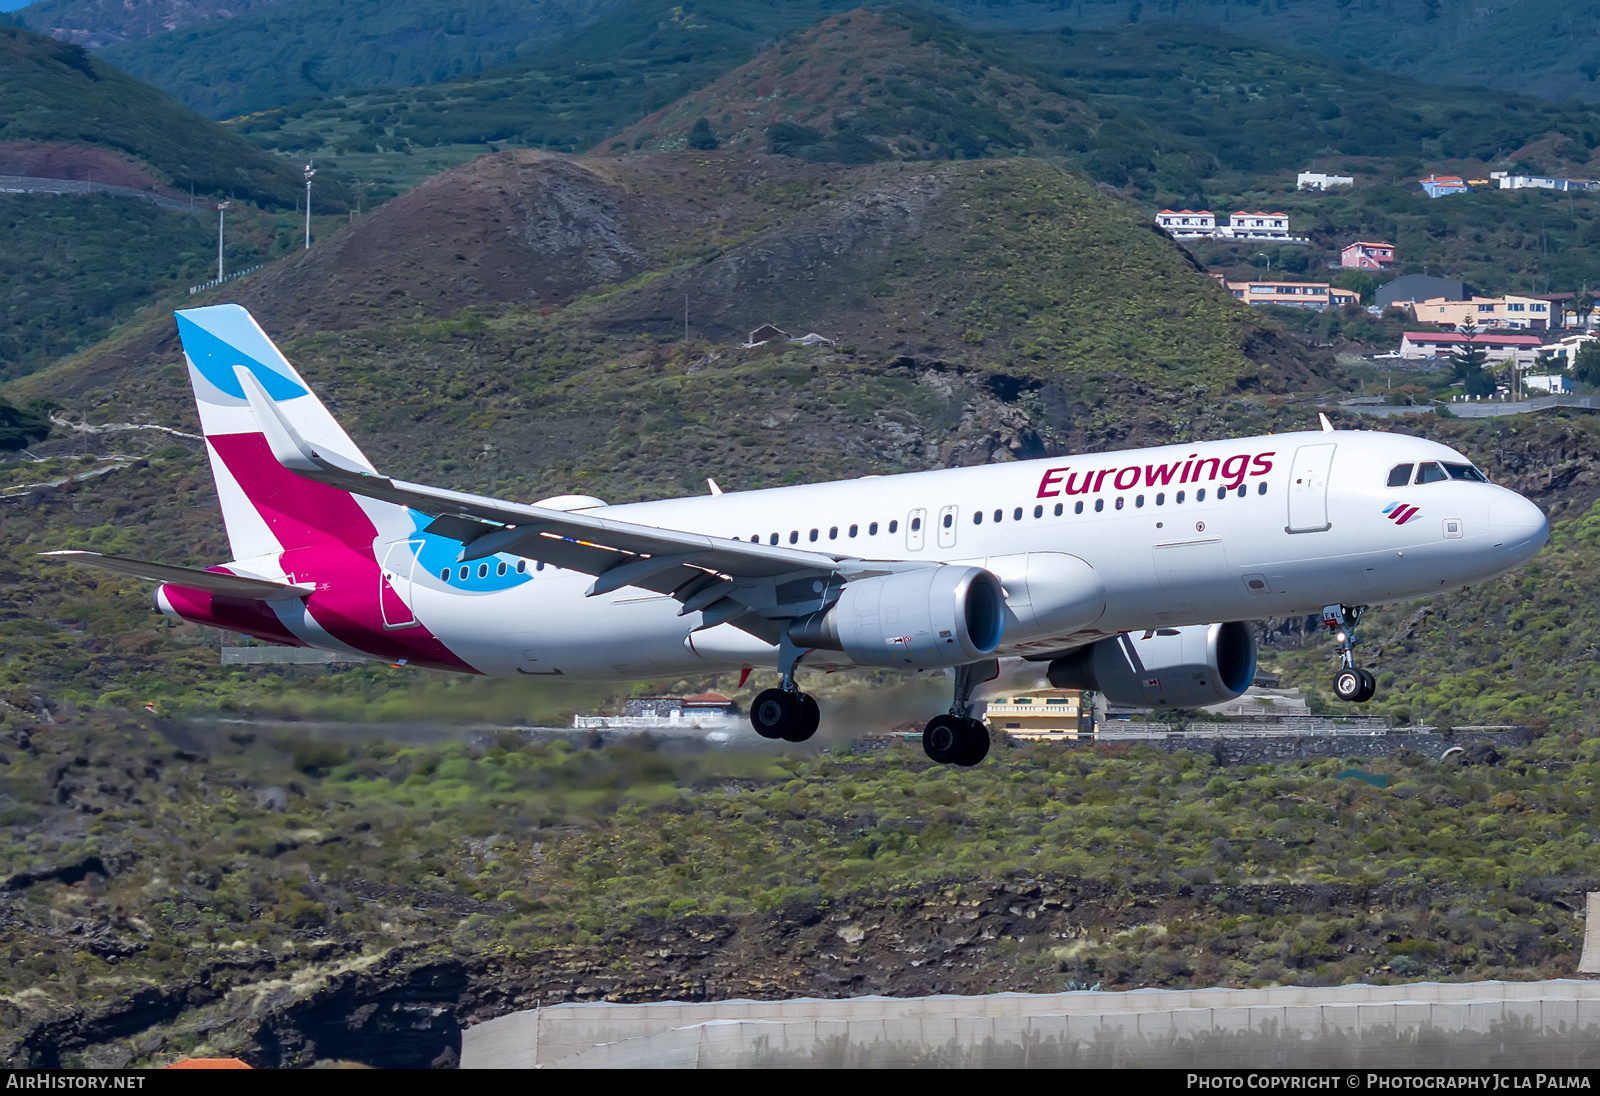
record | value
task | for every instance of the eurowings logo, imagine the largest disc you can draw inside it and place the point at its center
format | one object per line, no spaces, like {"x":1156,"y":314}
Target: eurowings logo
{"x":1400,"y":513}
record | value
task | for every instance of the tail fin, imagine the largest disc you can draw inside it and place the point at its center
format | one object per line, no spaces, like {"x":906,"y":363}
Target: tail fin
{"x":267,"y":509}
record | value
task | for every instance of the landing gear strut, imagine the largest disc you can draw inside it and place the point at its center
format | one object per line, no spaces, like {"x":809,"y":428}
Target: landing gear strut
{"x":786,"y":712}
{"x":955,"y":738}
{"x":1351,"y":682}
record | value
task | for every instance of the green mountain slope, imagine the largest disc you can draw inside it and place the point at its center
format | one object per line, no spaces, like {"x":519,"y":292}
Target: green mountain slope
{"x":294,"y":48}
{"x":599,"y":79}
{"x":54,"y":91}
{"x":96,"y":24}
{"x":906,"y":85}
{"x":1540,"y":47}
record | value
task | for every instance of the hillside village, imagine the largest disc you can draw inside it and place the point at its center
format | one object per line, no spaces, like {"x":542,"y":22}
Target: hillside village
{"x":1449,"y":324}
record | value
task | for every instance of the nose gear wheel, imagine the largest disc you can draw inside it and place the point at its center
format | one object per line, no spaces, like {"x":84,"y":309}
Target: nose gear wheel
{"x":1351,"y":683}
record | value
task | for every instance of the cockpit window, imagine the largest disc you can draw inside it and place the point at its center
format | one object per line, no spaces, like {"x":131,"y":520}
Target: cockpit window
{"x":1465,"y":472}
{"x":1400,"y":475}
{"x":1430,"y":473}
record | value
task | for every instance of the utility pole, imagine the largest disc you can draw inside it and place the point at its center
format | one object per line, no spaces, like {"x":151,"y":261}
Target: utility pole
{"x":310,"y":171}
{"x":221,"y":216}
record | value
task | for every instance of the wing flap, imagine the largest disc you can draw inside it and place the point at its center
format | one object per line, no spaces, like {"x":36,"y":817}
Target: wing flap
{"x":212,"y":582}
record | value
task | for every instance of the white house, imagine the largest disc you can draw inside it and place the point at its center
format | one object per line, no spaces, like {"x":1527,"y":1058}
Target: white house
{"x":1316,"y":180}
{"x":1563,"y":352}
{"x":1557,"y":384}
{"x":1509,"y":181}
{"x":1187,"y":224}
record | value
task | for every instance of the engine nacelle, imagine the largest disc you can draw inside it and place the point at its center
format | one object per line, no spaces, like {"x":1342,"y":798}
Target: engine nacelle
{"x":929,"y":618}
{"x":1168,"y":668}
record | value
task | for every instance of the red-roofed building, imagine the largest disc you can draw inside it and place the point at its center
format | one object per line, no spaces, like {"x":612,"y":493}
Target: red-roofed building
{"x":1522,"y":349}
{"x":1187,"y":224}
{"x":1362,"y":255}
{"x":1437,"y":186}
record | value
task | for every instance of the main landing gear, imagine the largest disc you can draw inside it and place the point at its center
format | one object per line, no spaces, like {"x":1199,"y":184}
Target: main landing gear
{"x":1351,"y":682}
{"x":786,"y":712}
{"x":955,"y":738}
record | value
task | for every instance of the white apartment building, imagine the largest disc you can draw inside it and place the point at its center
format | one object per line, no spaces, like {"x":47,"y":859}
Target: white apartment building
{"x":1201,"y":224}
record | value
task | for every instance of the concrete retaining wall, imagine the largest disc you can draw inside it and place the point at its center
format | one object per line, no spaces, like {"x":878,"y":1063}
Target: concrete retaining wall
{"x":1552,"y":1024}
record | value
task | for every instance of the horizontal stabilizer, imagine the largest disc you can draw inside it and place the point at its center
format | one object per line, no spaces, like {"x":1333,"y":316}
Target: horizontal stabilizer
{"x":212,"y":582}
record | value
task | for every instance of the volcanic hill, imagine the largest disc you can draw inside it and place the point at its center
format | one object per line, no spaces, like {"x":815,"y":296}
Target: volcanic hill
{"x":1015,"y":265}
{"x":906,"y":85}
{"x":55,"y":94}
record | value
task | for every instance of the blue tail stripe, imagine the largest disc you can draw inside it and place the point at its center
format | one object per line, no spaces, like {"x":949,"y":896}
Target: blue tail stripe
{"x":221,"y":337}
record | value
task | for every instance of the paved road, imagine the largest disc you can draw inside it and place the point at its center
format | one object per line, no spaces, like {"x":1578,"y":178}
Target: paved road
{"x":29,"y":184}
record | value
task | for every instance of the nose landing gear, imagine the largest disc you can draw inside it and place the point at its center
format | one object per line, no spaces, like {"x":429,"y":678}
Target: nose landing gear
{"x":1351,"y":683}
{"x":955,"y":738}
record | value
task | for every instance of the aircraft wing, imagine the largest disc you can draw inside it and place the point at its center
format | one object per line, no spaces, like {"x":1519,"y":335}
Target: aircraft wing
{"x":212,"y":582}
{"x":749,"y":585}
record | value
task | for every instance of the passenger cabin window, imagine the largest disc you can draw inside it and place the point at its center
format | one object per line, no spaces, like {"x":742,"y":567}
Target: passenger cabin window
{"x":894,"y":526}
{"x":949,"y":520}
{"x":872,"y":530}
{"x":1430,"y":473}
{"x":854,"y":529}
{"x":1465,"y":472}
{"x":977,"y":517}
{"x":833,"y":533}
{"x":916,"y":523}
{"x":1400,"y":475}
{"x":1038,"y":511}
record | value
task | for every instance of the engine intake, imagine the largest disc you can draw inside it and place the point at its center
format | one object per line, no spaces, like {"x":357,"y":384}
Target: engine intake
{"x":1168,"y":668}
{"x":927,"y":618}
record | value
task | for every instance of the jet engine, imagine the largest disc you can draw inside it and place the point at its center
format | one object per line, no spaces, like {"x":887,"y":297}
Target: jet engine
{"x":929,"y":618}
{"x":1165,"y":668}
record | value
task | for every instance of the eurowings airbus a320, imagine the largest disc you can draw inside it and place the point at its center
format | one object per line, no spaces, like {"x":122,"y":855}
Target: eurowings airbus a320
{"x":1129,"y":573}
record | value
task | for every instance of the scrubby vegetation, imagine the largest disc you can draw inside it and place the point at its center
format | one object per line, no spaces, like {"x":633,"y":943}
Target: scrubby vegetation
{"x":564,"y":870}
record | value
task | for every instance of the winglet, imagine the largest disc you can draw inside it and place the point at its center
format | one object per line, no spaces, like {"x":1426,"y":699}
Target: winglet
{"x":711,"y":483}
{"x":1327,"y":427}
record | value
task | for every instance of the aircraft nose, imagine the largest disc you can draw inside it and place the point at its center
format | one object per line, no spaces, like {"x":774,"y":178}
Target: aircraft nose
{"x":1519,"y":525}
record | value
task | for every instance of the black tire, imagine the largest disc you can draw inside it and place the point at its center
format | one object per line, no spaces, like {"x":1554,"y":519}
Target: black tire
{"x":773,"y":712}
{"x":944,"y":739}
{"x":1347,"y":685}
{"x":808,"y":717}
{"x":1369,"y":686}
{"x":977,"y":747}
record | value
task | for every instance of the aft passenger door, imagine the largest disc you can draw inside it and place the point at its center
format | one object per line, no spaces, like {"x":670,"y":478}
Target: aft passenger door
{"x":1308,"y":489}
{"x":394,"y":583}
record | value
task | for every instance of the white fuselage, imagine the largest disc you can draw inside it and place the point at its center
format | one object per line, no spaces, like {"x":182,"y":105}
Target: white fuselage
{"x":1315,"y":525}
